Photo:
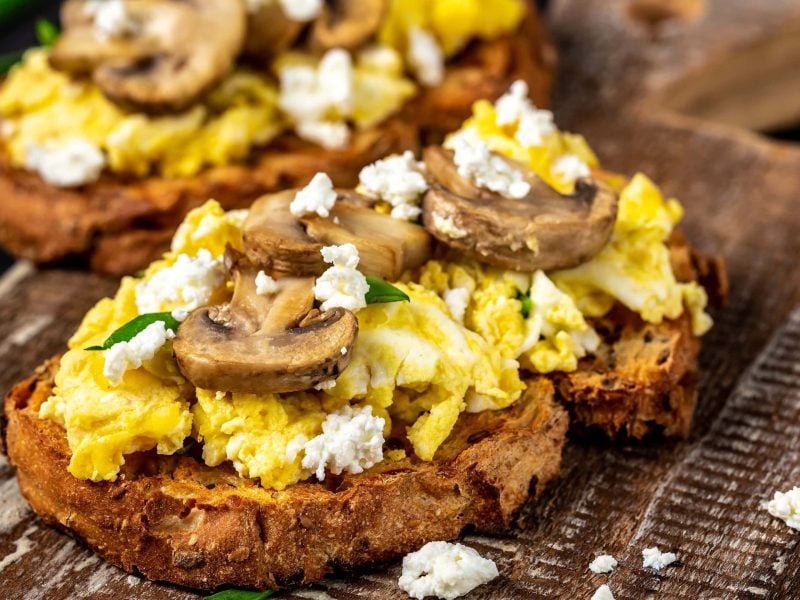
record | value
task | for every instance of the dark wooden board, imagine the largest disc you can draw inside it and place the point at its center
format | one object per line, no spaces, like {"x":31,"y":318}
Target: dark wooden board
{"x":700,"y":497}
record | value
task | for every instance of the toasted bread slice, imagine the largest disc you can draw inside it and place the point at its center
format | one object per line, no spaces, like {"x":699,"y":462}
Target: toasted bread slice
{"x":174,"y":519}
{"x":122,"y":224}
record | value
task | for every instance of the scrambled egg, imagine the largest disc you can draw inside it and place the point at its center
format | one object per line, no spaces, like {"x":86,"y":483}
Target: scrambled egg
{"x":43,"y":104}
{"x":541,"y":158}
{"x":634,"y":267}
{"x":453,"y":22}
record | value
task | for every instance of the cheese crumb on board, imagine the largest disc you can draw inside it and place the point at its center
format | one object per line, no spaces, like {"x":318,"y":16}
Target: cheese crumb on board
{"x":605,"y":563}
{"x":655,"y":559}
{"x":445,"y":570}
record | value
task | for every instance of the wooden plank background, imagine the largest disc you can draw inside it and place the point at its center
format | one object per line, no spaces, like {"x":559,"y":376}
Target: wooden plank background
{"x":700,"y":497}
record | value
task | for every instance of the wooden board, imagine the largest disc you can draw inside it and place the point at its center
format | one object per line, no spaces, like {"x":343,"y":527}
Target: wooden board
{"x":700,"y":497}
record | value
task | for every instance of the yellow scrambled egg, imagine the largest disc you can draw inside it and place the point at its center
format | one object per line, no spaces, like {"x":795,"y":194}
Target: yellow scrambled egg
{"x":453,"y":22}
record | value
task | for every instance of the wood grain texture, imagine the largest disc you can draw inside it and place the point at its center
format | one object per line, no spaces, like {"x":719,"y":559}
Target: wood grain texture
{"x":700,"y":497}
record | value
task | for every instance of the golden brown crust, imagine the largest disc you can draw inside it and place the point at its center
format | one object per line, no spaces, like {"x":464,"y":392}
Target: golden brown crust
{"x":122,"y":224}
{"x":173,"y":519}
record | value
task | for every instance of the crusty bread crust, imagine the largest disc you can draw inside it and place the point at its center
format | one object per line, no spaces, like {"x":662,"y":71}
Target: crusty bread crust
{"x":122,"y":224}
{"x":174,"y":519}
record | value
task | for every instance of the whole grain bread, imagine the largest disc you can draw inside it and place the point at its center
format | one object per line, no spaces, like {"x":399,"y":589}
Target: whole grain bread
{"x":121,"y":224}
{"x":174,"y":519}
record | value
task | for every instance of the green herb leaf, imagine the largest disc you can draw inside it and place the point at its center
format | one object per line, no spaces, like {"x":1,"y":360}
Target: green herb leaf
{"x":46,"y":32}
{"x":380,"y":292}
{"x":527,"y":303}
{"x":135,"y":326}
{"x":239,"y":595}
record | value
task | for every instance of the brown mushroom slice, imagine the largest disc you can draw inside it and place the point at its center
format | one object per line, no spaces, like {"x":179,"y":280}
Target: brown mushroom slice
{"x":265,"y":344}
{"x":347,"y":24}
{"x":544,"y":230}
{"x":277,"y":240}
{"x":177,"y":50}
{"x":269,"y":31}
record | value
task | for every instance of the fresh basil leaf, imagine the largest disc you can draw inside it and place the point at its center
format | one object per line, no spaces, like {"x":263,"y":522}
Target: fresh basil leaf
{"x":380,"y":292}
{"x":127,"y":332}
{"x":527,"y":304}
{"x":46,"y":32}
{"x":239,"y":595}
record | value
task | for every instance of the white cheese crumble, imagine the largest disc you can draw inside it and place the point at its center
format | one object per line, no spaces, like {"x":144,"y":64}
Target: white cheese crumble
{"x":786,"y":506}
{"x":130,"y":355}
{"x":425,"y":57}
{"x":70,"y":163}
{"x":444,"y":570}
{"x":317,"y":197}
{"x":475,"y":162}
{"x":399,"y":180}
{"x":187,"y":284}
{"x":570,"y":168}
{"x":351,"y":441}
{"x":605,"y":563}
{"x":319,"y":98}
{"x":603,"y":593}
{"x":265,"y":285}
{"x":295,"y":10}
{"x":446,"y":225}
{"x":515,"y":108}
{"x":457,"y":300}
{"x":657,"y":560}
{"x":111,"y":18}
{"x":342,"y":284}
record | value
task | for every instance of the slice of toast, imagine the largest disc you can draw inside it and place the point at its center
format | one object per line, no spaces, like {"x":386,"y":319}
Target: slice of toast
{"x":174,"y":519}
{"x":121,"y":224}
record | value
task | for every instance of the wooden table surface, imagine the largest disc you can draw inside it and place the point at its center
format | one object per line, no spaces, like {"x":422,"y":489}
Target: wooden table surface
{"x":700,"y":497}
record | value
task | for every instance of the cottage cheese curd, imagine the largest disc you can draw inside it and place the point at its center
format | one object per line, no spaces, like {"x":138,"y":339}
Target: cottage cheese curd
{"x":265,"y":285}
{"x":476,"y":163}
{"x":69,"y":163}
{"x":605,"y":563}
{"x":398,"y":180}
{"x":786,"y":506}
{"x":317,"y":197}
{"x":130,"y":355}
{"x":570,"y":167}
{"x":657,"y":560}
{"x":425,"y":57}
{"x":516,"y":109}
{"x":342,"y":284}
{"x":111,"y":18}
{"x":445,"y":570}
{"x":603,"y":593}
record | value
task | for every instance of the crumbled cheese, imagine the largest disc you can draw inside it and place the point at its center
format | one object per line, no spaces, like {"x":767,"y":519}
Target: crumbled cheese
{"x":476,"y":163}
{"x":180,"y":314}
{"x":351,"y":440}
{"x":325,"y":385}
{"x":515,"y":108}
{"x":399,"y":180}
{"x":343,"y":350}
{"x":187,"y":284}
{"x":295,"y":10}
{"x":457,"y":300}
{"x":71,"y":163}
{"x":445,"y":570}
{"x":342,"y":284}
{"x":446,"y":225}
{"x":570,"y":168}
{"x":111,"y":18}
{"x":317,"y":197}
{"x":603,"y":593}
{"x":318,"y":99}
{"x":786,"y":506}
{"x":265,"y":285}
{"x":655,"y":559}
{"x":425,"y":57}
{"x":130,"y":355}
{"x":605,"y":563}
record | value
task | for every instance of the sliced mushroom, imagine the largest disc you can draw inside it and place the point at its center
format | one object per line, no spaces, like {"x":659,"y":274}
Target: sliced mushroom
{"x":265,"y":344}
{"x":347,"y":23}
{"x":269,"y":31}
{"x":544,"y":230}
{"x":175,"y":51}
{"x":277,"y":240}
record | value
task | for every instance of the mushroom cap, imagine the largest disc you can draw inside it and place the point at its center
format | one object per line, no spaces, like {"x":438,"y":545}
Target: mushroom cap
{"x":269,"y":31}
{"x":347,"y":24}
{"x":544,"y":230}
{"x":276,"y":239}
{"x":265,"y":344}
{"x":177,"y":51}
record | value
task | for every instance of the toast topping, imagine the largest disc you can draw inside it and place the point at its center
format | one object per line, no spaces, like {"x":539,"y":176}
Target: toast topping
{"x":264,"y":343}
{"x":347,"y":23}
{"x":508,"y":217}
{"x":72,"y":163}
{"x":342,"y":285}
{"x":175,"y":51}
{"x":398,"y":180}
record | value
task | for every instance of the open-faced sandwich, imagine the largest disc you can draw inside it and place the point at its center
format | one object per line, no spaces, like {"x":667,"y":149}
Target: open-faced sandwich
{"x":337,"y":377}
{"x":144,"y":109}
